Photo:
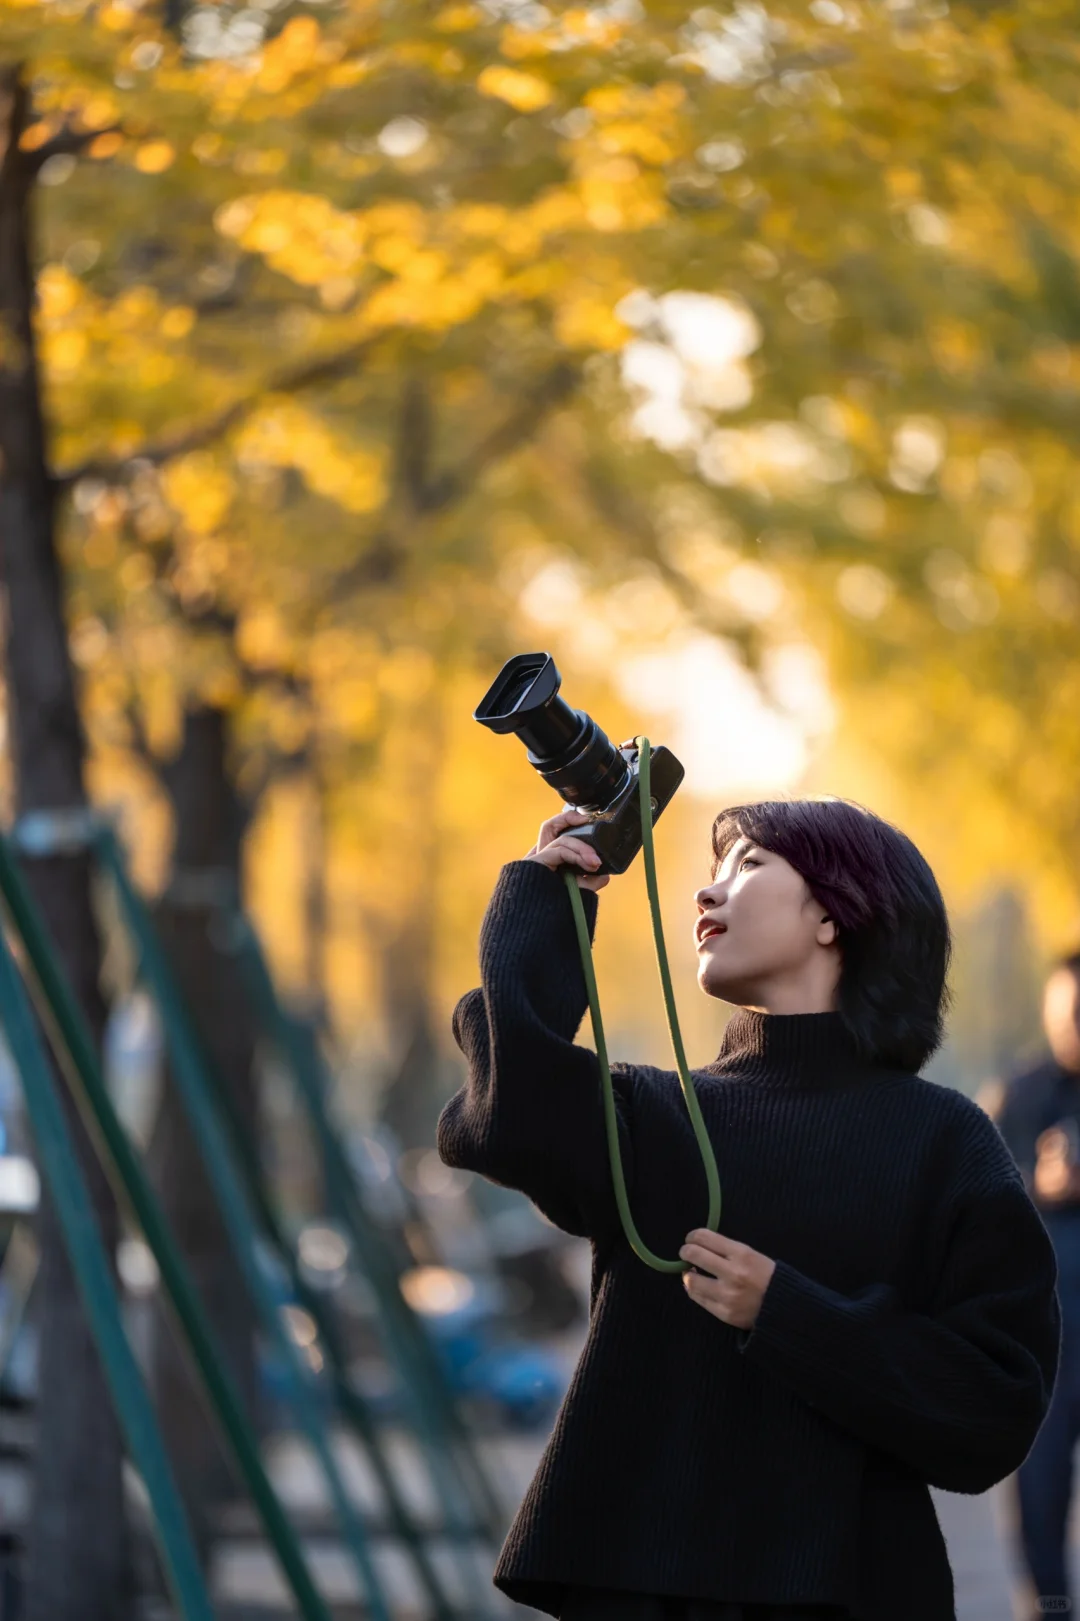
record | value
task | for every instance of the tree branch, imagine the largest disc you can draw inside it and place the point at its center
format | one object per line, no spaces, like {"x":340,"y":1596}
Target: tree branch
{"x":138,"y":740}
{"x":260,"y":774}
{"x":290,"y":380}
{"x":384,"y":557}
{"x":412,"y":453}
{"x":67,"y":142}
{"x":627,"y":516}
{"x":518,"y":427}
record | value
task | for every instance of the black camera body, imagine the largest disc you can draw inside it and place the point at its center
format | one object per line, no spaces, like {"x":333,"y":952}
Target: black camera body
{"x":570,"y":752}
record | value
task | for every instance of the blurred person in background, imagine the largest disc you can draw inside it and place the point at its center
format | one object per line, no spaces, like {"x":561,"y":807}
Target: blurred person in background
{"x":1038,"y":1114}
{"x":754,"y":1438}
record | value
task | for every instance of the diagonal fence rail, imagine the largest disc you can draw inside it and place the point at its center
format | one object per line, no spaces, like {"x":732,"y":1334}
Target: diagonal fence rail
{"x":90,"y":1264}
{"x":438,"y":1417}
{"x":252,"y":1225}
{"x":471,"y":1508}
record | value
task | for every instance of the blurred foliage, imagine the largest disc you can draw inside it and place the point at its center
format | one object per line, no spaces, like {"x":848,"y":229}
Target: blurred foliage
{"x":359,"y":319}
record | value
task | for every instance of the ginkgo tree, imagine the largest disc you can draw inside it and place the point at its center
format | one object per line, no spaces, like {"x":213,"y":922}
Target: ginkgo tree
{"x":325,"y":296}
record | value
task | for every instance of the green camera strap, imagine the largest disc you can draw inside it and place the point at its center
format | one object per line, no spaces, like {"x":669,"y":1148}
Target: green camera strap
{"x":611,"y":1122}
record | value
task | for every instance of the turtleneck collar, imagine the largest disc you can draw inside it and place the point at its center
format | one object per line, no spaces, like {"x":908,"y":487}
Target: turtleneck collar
{"x":793,"y":1050}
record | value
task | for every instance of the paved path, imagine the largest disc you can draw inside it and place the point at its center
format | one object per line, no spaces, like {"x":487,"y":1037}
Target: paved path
{"x":977,"y":1530}
{"x":981,"y":1535}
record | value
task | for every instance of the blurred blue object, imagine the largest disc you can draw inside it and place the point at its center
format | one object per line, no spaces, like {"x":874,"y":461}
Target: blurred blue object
{"x":526,"y":1382}
{"x":274,"y":1388}
{"x":522,"y":1382}
{"x":519,"y":1383}
{"x":301,"y":1329}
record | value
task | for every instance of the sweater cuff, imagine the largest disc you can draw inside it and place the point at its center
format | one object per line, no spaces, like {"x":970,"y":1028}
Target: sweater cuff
{"x":792,"y":1324}
{"x":528,"y":887}
{"x":471,"y":1010}
{"x":528,"y":871}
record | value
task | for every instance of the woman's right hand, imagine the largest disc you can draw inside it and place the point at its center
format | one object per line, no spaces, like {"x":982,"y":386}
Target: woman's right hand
{"x":556,"y":847}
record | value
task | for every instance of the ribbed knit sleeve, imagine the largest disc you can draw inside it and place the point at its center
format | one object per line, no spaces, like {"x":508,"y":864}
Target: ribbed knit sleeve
{"x":957,"y":1393}
{"x":530,"y":1115}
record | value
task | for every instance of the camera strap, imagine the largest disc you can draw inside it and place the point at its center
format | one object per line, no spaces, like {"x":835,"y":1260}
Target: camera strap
{"x":611,"y":1123}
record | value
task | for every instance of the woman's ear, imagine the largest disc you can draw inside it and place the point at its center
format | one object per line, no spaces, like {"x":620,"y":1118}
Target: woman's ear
{"x":827,"y":932}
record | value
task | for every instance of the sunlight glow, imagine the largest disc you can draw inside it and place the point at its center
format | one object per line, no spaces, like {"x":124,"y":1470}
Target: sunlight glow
{"x":731,"y":738}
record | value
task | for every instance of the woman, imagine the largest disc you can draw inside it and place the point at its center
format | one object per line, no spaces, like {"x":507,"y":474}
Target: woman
{"x":755,"y":1438}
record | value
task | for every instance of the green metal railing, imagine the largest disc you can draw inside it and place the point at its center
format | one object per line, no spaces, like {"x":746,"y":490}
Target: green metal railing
{"x":351,"y":1406}
{"x":90,"y":1263}
{"x":250,"y":1215}
{"x":190,"y":1075}
{"x":267,"y":1259}
{"x":439,"y":1421}
{"x":79,"y":1058}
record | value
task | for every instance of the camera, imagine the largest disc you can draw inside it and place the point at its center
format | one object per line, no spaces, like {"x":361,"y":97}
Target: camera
{"x":579,"y":760}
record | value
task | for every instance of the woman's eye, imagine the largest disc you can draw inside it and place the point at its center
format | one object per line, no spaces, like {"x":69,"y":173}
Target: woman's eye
{"x":748,"y":861}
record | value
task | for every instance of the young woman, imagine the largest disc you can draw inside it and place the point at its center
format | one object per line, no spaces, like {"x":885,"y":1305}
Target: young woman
{"x":878,"y":1313}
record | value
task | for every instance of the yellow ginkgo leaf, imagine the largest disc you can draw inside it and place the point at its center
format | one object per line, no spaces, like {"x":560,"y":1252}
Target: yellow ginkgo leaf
{"x":58,"y":292}
{"x":455,"y":19}
{"x":64,"y":351}
{"x":99,"y":112}
{"x":177,"y":322}
{"x":106,"y":146}
{"x":36,"y":135}
{"x":154,"y":157}
{"x":524,"y":91}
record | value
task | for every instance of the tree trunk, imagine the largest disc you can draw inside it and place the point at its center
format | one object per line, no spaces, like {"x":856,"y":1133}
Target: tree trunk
{"x":415,"y":1088}
{"x":414,"y":1092}
{"x":316,"y":907}
{"x":76,"y":1552}
{"x":209,"y":824}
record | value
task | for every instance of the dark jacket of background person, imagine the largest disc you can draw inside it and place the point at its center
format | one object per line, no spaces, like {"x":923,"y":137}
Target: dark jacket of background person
{"x":909,"y":1335}
{"x":1032,"y":1103}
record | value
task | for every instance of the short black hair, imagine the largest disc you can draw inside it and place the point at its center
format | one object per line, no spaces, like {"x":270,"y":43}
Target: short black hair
{"x":1071,"y":962}
{"x":892,"y":926}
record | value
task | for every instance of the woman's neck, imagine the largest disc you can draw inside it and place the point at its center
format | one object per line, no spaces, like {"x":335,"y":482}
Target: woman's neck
{"x":798,"y":1051}
{"x":790,"y":1002}
{"x":815,"y":988}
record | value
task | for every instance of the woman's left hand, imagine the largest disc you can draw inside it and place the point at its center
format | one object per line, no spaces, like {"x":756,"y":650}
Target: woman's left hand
{"x":738,"y":1276}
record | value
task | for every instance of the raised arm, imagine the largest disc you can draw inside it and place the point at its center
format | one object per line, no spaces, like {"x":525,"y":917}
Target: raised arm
{"x":957,"y":1393}
{"x":530,"y":1115}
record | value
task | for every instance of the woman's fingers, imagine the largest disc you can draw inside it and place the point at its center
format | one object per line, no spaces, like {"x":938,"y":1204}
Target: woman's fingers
{"x":555,"y":825}
{"x":556,"y":847}
{"x":705,"y":1260}
{"x":567,"y":851}
{"x":719,"y":1243}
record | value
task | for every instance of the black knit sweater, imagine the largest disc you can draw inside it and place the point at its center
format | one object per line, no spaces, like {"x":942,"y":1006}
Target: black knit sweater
{"x":909,"y":1334}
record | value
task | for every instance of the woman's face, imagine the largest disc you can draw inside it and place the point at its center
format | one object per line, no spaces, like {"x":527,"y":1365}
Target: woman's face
{"x":763,"y":941}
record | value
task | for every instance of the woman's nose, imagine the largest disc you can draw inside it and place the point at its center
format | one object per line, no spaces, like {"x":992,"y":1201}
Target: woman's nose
{"x":707,"y":897}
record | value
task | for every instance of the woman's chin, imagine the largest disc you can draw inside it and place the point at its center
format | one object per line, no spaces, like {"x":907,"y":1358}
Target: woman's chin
{"x":738,"y":989}
{"x":715,"y":984}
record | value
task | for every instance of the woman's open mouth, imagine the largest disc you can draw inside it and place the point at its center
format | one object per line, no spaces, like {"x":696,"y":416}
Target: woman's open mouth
{"x":706,"y":931}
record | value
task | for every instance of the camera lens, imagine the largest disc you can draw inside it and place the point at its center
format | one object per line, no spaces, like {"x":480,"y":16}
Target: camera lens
{"x":591,"y":773}
{"x":565,"y":745}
